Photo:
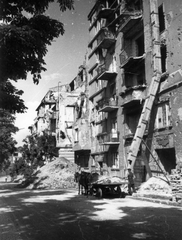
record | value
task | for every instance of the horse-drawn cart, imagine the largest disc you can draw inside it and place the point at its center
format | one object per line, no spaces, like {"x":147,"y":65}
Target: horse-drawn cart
{"x":109,"y":186}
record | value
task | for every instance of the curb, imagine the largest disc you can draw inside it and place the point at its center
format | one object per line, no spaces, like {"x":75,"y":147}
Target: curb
{"x":154,"y":200}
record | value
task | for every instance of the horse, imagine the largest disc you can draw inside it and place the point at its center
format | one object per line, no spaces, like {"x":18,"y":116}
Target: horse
{"x":83,"y":179}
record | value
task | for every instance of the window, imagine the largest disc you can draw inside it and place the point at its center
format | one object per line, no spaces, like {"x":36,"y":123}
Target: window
{"x":115,"y":160}
{"x":163,"y":118}
{"x":163,"y":58}
{"x":53,"y":125}
{"x":76,"y":135}
{"x":112,"y":89}
{"x":114,"y":123}
{"x":161,"y":19}
{"x":140,"y":45}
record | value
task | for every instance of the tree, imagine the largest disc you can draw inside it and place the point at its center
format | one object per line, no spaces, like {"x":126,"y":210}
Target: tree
{"x":7,"y":143}
{"x":24,"y":36}
{"x":25,"y":33}
{"x":38,"y":149}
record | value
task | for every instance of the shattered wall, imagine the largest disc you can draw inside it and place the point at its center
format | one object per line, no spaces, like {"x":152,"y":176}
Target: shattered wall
{"x":167,"y":133}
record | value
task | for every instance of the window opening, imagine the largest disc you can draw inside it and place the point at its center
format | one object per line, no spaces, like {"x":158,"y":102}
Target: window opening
{"x":140,"y":45}
{"x":163,"y":58}
{"x":115,"y":160}
{"x":161,"y":19}
{"x":76,"y":135}
{"x":163,"y":118}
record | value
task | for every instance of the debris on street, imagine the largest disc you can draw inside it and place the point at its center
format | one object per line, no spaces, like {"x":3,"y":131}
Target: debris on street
{"x":176,"y":184}
{"x":56,"y":174}
{"x":158,"y":187}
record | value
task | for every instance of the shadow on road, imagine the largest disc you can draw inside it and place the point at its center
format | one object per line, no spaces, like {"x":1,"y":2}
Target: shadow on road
{"x":63,"y":214}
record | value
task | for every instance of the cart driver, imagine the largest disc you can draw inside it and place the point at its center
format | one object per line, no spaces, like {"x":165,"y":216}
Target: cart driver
{"x":131,"y":184}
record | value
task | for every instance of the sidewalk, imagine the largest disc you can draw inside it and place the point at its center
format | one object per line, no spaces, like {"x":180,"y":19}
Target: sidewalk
{"x":156,"y":200}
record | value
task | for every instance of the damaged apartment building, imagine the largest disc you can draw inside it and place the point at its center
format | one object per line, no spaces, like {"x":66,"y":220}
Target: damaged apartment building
{"x":57,"y":114}
{"x":135,"y":86}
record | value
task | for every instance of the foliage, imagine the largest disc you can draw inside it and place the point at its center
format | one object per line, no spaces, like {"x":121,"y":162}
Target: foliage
{"x":24,"y":36}
{"x":7,"y":143}
{"x":38,"y":149}
{"x":10,"y":98}
{"x":25,"y":33}
{"x":20,"y":167}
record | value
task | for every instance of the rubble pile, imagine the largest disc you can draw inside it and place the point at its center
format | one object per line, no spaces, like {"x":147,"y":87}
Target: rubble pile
{"x":176,"y":184}
{"x":159,"y":187}
{"x":56,"y":174}
{"x":155,"y":187}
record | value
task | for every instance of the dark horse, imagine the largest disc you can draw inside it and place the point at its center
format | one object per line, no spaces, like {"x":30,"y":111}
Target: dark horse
{"x":83,"y":179}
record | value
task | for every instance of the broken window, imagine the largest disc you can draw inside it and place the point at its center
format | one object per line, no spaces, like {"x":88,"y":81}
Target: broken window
{"x":140,"y":45}
{"x":163,"y":117}
{"x":132,"y":80}
{"x":163,"y":58}
{"x":115,"y":160}
{"x":161,"y":18}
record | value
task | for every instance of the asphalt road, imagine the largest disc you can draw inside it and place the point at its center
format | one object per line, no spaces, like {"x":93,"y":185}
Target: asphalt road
{"x":64,"y":215}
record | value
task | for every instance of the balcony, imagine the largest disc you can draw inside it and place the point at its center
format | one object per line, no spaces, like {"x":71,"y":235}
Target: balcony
{"x":97,"y":92}
{"x":105,"y":39}
{"x":133,"y":96}
{"x":131,"y":23}
{"x":131,"y":64}
{"x":129,"y":136}
{"x":108,"y":105}
{"x":99,"y":118}
{"x":111,"y":138}
{"x":106,"y":73}
{"x":99,"y":149}
{"x":104,"y":12}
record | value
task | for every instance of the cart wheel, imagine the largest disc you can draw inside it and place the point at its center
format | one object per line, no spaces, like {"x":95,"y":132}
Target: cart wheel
{"x":99,"y":192}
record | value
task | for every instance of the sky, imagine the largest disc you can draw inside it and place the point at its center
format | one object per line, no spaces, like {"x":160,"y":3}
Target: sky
{"x":64,"y":57}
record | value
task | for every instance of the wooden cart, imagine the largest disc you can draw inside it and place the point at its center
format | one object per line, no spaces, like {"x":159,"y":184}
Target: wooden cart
{"x":107,"y":189}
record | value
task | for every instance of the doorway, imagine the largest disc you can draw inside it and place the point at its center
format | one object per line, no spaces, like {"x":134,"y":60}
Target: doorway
{"x":167,"y":158}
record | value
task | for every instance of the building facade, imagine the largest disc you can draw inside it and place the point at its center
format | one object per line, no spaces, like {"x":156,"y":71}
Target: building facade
{"x":132,"y":45}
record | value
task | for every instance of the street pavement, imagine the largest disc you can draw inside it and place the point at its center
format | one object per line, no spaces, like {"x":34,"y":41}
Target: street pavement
{"x":65,"y":215}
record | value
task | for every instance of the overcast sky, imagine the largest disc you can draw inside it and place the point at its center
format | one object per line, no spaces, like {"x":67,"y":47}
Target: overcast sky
{"x":64,"y":57}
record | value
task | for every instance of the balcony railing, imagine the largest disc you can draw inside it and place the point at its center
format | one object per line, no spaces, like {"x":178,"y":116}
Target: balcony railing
{"x":130,"y":23}
{"x":108,"y":105}
{"x":106,"y":73}
{"x":111,"y":138}
{"x":129,"y":135}
{"x":98,"y":149}
{"x":133,"y":95}
{"x":105,"y":38}
{"x":131,"y":63}
{"x":104,"y":12}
